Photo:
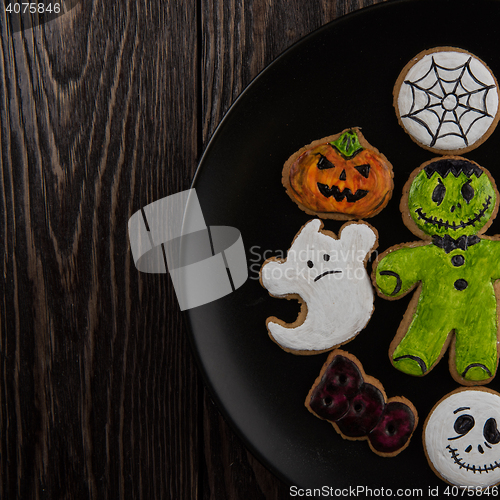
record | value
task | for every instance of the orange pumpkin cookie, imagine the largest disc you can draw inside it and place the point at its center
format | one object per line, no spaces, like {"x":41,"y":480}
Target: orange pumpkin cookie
{"x":339,"y":177}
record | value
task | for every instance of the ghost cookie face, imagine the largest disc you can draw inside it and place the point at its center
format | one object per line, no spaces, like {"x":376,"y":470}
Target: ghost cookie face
{"x":446,"y":99}
{"x":328,"y":276}
{"x":339,"y":177}
{"x":461,"y":438}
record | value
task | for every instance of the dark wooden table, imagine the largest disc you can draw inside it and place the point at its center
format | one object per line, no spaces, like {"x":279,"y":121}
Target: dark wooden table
{"x":104,"y":110}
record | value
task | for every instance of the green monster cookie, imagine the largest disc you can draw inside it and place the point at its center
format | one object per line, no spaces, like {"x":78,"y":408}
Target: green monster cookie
{"x":448,"y":202}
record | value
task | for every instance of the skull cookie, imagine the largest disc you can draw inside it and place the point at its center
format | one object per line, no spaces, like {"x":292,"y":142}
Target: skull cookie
{"x":461,"y":438}
{"x":328,"y":276}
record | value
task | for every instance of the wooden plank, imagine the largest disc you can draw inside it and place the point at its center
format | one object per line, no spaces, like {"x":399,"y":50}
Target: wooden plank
{"x":239,"y":39}
{"x":98,"y":392}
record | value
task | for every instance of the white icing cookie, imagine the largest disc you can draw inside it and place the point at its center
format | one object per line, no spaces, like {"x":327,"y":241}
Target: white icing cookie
{"x":461,"y":439}
{"x":447,"y":100}
{"x":329,"y":277}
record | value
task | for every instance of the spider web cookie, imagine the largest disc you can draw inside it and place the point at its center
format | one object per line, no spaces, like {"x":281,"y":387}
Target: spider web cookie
{"x":446,"y":99}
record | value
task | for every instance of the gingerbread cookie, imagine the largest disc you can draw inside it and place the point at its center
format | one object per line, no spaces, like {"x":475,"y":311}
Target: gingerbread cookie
{"x":357,"y":407}
{"x":461,"y":438}
{"x":339,"y":177}
{"x":328,"y":276}
{"x":449,"y":203}
{"x":446,"y":99}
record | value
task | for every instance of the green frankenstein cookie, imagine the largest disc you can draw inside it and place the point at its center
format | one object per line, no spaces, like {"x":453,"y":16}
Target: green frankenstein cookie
{"x":448,"y":202}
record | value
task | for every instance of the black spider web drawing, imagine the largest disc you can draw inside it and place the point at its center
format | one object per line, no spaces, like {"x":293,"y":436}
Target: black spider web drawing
{"x":448,"y":101}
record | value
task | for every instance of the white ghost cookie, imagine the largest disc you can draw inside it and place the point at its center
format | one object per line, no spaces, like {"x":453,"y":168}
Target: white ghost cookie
{"x":328,"y":276}
{"x":461,"y":438}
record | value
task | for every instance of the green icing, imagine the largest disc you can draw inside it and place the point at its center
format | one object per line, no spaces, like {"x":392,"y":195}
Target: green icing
{"x":441,"y":308}
{"x":347,"y":144}
{"x":457,"y":288}
{"x":453,"y":214}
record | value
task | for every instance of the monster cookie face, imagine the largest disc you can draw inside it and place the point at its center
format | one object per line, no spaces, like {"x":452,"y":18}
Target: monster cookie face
{"x":461,"y":438}
{"x":446,"y":99}
{"x":451,"y":196}
{"x":339,"y":177}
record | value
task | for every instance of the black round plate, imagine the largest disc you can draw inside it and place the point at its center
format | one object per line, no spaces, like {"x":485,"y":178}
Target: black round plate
{"x":338,"y":77}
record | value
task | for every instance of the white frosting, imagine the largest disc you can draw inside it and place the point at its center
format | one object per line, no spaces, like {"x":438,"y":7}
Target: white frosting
{"x":339,"y":303}
{"x":474,"y":461}
{"x":448,"y":106}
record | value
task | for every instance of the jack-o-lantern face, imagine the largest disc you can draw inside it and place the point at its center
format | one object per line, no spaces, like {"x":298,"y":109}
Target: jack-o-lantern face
{"x":339,"y":177}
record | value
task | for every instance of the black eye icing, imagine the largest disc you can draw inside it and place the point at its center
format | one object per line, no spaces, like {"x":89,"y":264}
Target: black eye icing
{"x":438,"y":193}
{"x":490,"y":431}
{"x":326,"y":257}
{"x":467,"y":192}
{"x":324,"y":163}
{"x":310,"y":263}
{"x":463,"y":424}
{"x":364,"y":170}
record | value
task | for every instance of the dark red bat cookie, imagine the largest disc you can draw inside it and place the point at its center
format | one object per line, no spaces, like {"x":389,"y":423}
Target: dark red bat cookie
{"x":357,"y":406}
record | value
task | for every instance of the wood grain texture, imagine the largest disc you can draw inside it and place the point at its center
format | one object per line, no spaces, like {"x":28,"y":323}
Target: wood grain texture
{"x":241,"y":38}
{"x":94,"y":388}
{"x":102,"y":111}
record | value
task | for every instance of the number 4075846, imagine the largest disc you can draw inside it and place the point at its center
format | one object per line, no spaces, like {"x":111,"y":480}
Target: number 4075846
{"x":33,"y":8}
{"x":469,"y":491}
